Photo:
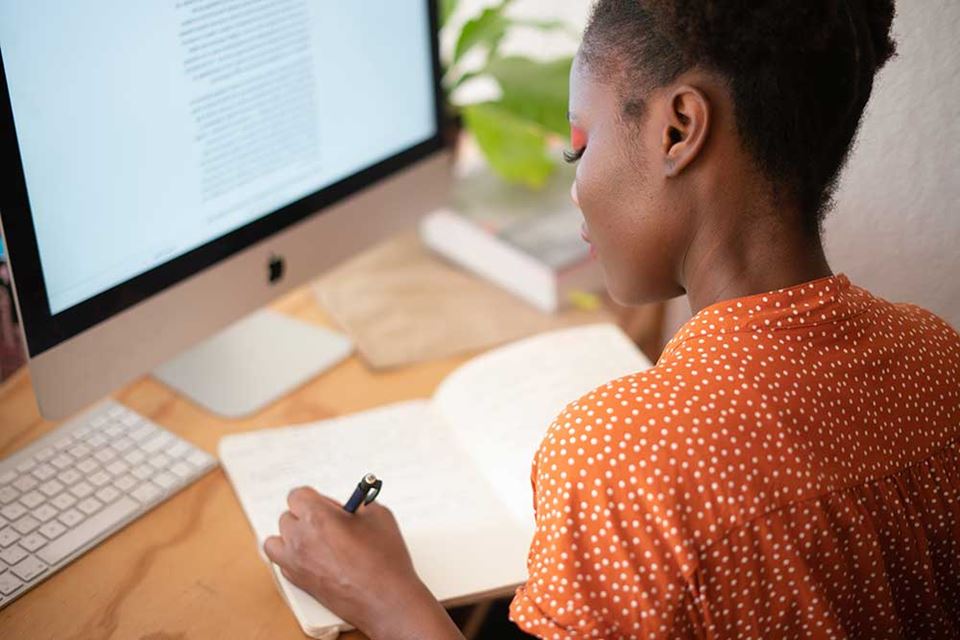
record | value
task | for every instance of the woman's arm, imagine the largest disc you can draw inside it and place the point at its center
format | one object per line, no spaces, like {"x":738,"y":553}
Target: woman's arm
{"x":358,"y":566}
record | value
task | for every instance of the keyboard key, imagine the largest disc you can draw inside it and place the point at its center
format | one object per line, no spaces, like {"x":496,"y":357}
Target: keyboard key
{"x":155,"y":444}
{"x":96,"y":440}
{"x":107,"y":494}
{"x":29,"y":568}
{"x":26,"y":524}
{"x":13,"y":554}
{"x":82,"y":489}
{"x":33,"y":542}
{"x":143,"y":472}
{"x":125,"y":483}
{"x":141,"y":432}
{"x":63,"y":442}
{"x":79,"y":451}
{"x":135,"y":457}
{"x":44,"y":472}
{"x":122,"y":444}
{"x":69,"y":477}
{"x":64,"y":501}
{"x":44,"y":512}
{"x":116,"y":412}
{"x":113,"y":430}
{"x":9,"y":583}
{"x":51,"y":488}
{"x":105,"y":455}
{"x":87,"y":466}
{"x":182,"y":469}
{"x":100,"y":478}
{"x":52,"y":530}
{"x":7,"y":477}
{"x":13,"y":511}
{"x":25,"y":483}
{"x":44,"y":454}
{"x":71,"y":517}
{"x":32,"y":499}
{"x":61,"y":461}
{"x":98,"y":421}
{"x":89,"y":505}
{"x":104,"y":521}
{"x":199,"y":459}
{"x":178,"y":449}
{"x":160,"y":460}
{"x":82,"y":431}
{"x":131,"y":419}
{"x":166,"y":480}
{"x":118,"y":467}
{"x":146,"y":492}
{"x":8,"y":536}
{"x":26,"y":466}
{"x":8,"y":494}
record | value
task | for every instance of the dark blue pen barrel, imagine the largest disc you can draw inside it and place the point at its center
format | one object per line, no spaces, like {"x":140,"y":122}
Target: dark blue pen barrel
{"x":356,"y":498}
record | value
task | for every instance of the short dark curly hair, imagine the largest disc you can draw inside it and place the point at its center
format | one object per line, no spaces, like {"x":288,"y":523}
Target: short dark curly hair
{"x":800,"y":73}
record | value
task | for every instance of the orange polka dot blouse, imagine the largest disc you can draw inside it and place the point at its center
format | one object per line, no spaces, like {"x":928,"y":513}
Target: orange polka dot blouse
{"x":789,"y":469}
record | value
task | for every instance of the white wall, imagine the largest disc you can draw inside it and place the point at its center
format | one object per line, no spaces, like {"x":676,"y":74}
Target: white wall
{"x":896,"y":227}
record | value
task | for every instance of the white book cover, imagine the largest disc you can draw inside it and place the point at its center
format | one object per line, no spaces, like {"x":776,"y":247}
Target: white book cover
{"x":478,"y":434}
{"x":526,"y":241}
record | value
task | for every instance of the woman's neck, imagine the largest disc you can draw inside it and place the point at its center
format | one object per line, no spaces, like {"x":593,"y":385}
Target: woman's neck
{"x":750,"y":245}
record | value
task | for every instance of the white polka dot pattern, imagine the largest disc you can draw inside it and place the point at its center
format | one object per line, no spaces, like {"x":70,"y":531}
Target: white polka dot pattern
{"x":790,"y":468}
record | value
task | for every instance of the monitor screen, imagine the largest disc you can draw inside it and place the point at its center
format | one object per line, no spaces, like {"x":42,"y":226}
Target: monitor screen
{"x":149,"y":129}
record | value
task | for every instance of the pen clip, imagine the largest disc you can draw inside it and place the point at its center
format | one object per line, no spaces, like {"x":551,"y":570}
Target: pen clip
{"x":373,"y":490}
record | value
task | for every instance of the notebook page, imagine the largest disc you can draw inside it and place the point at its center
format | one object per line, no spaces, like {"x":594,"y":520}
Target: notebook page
{"x":462,"y":539}
{"x":500,"y":404}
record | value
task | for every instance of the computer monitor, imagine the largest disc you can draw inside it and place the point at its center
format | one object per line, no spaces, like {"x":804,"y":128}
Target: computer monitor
{"x":172,"y":166}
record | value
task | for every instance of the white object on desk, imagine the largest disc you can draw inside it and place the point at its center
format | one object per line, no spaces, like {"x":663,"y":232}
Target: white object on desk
{"x":82,"y":482}
{"x":477,"y":437}
{"x":253,"y":362}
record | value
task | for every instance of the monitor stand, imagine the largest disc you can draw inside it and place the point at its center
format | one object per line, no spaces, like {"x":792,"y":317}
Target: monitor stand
{"x":253,"y":362}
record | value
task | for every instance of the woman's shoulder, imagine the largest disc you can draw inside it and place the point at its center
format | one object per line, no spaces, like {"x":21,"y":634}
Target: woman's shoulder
{"x":635,"y":418}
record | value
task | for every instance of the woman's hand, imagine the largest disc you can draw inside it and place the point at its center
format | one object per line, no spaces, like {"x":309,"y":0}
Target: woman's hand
{"x":358,"y":566}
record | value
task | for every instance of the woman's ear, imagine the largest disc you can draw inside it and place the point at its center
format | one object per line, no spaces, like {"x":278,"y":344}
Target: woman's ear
{"x":685,"y":128}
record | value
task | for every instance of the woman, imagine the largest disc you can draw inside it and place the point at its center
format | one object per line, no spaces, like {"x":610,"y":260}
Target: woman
{"x":789,"y":468}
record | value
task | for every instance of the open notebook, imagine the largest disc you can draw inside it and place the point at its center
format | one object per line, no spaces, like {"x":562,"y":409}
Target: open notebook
{"x":477,"y":436}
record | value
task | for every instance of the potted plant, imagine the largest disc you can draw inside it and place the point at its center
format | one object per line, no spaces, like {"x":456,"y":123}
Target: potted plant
{"x":518,"y":132}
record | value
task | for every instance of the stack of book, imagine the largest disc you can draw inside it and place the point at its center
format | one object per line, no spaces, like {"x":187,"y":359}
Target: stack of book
{"x":527,"y":242}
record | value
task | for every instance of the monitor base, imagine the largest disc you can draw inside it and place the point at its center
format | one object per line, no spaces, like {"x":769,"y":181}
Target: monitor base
{"x":253,"y":362}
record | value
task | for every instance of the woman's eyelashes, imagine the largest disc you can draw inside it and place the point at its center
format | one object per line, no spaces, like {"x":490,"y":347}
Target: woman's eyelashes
{"x":578,"y":142}
{"x":572,"y":155}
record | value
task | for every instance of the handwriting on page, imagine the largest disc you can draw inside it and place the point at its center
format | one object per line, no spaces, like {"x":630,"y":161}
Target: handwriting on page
{"x":500,"y":405}
{"x":405,"y":444}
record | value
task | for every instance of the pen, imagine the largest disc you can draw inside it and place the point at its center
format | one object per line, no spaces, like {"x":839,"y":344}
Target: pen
{"x":366,"y":492}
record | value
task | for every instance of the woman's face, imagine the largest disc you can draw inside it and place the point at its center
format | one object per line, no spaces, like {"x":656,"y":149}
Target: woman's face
{"x":636,"y":226}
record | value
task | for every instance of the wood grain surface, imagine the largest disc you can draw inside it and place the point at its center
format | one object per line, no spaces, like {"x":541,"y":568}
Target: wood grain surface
{"x":189,"y":569}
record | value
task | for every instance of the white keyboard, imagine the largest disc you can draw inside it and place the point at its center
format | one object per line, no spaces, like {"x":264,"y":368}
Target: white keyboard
{"x":82,"y":482}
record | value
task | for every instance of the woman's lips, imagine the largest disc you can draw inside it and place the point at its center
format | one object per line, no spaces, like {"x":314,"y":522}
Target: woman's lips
{"x":586,"y":238}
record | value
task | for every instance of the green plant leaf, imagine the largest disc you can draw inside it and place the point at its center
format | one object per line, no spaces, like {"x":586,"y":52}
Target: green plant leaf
{"x":446,"y":10}
{"x":487,"y":28}
{"x":546,"y":25}
{"x":534,"y":90}
{"x":515,"y":148}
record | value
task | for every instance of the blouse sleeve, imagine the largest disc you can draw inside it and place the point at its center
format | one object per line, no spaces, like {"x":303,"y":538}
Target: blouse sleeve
{"x":603,"y":561}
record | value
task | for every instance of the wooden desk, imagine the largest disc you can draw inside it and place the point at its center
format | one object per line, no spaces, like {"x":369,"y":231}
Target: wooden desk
{"x":189,"y":568}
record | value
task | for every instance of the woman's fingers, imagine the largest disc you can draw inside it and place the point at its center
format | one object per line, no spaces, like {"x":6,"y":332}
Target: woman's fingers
{"x":300,"y":500}
{"x":287,"y":523}
{"x":275,"y":550}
